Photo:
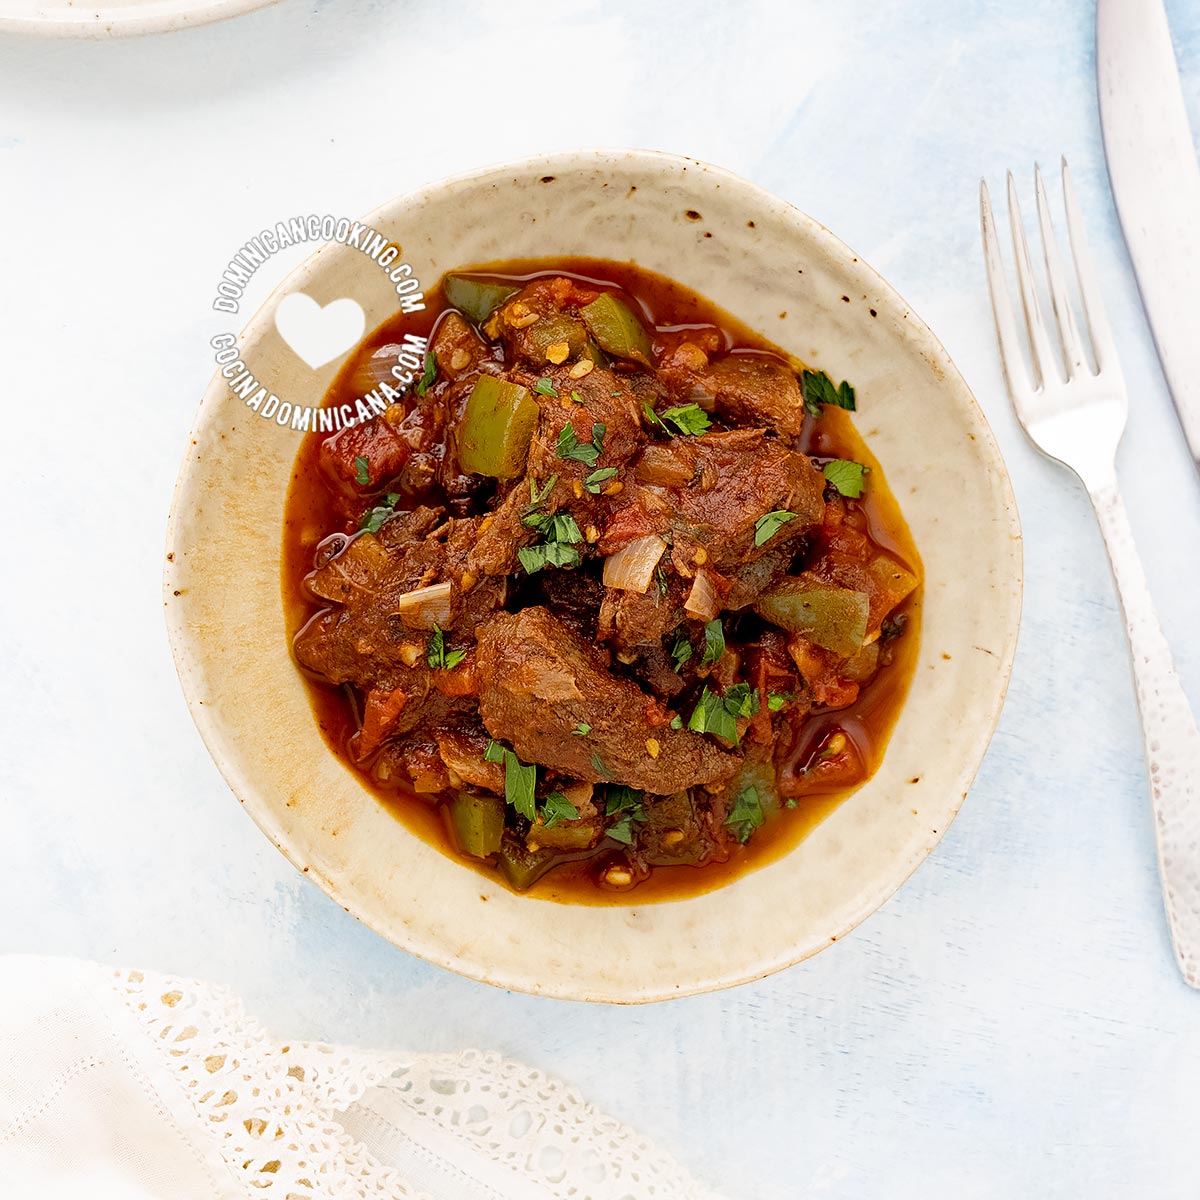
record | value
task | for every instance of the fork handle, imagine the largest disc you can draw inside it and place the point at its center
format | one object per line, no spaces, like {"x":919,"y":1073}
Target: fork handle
{"x":1170,"y":733}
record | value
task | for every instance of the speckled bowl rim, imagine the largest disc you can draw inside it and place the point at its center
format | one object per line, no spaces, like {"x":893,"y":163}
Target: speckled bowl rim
{"x":495,"y":971}
{"x":134,"y":20}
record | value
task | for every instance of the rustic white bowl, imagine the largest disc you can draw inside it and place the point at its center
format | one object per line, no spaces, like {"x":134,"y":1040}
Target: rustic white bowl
{"x":115,"y":18}
{"x":758,"y":258}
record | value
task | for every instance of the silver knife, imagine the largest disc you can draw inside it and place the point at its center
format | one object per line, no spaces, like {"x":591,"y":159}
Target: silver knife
{"x":1156,"y":181}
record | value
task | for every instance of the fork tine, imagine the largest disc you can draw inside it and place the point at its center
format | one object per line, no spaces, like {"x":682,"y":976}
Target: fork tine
{"x":1068,"y":331}
{"x":1043,"y":355}
{"x":1103,"y":345}
{"x":1002,"y":309}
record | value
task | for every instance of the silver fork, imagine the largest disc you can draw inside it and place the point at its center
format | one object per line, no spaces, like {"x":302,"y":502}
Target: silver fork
{"x":1077,"y":416}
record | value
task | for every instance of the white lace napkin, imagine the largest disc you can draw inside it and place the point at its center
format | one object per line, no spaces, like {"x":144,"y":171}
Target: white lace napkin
{"x":133,"y":1086}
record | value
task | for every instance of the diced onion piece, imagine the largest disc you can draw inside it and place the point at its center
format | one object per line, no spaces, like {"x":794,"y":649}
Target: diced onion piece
{"x":426,"y":607}
{"x":369,"y":373}
{"x":632,"y":568}
{"x":703,"y":603}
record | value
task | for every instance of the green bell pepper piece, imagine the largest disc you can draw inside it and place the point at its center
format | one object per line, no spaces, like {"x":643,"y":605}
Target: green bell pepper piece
{"x":617,"y":330}
{"x":593,"y":351}
{"x":496,"y":429}
{"x":555,"y":328}
{"x":832,"y":617}
{"x":522,"y":868}
{"x":476,"y":823}
{"x":473,"y":297}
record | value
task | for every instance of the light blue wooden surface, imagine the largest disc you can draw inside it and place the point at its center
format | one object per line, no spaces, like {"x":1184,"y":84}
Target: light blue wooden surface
{"x":1011,"y":1023}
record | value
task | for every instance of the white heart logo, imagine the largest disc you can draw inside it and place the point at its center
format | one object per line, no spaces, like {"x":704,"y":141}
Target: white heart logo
{"x":318,"y":335}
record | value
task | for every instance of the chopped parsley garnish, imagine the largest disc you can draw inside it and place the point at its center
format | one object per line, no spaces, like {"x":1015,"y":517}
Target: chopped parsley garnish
{"x":564,"y":528}
{"x":618,"y":797}
{"x":570,"y":447}
{"x":681,"y":651}
{"x":625,"y":803}
{"x":676,"y":722}
{"x":718,"y":715}
{"x":556,"y":807}
{"x":362,"y":470}
{"x":520,"y":782}
{"x":847,"y":476}
{"x":714,"y":642}
{"x":768,"y":525}
{"x":549,"y":554}
{"x":535,"y":518}
{"x":598,"y":764}
{"x":536,"y":498}
{"x":776,"y":700}
{"x":741,"y":700}
{"x":711,"y":716}
{"x":558,"y":550}
{"x":430,"y":375}
{"x":621,"y":830}
{"x":375,"y":517}
{"x":819,"y":391}
{"x":687,"y":418}
{"x":582,"y":729}
{"x":577,"y":397}
{"x":661,"y":576}
{"x":652,"y":416}
{"x":746,"y":815}
{"x":544,"y":387}
{"x":436,"y":655}
{"x":596,"y":478}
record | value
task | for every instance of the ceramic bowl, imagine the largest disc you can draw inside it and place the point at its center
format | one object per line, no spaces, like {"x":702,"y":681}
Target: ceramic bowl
{"x":115,"y":18}
{"x":783,"y":274}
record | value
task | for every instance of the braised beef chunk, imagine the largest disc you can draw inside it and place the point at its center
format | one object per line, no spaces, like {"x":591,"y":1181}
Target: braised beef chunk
{"x":574,"y":597}
{"x":539,"y":682}
{"x":589,"y":593}
{"x":391,"y":599}
{"x":740,"y":477}
{"x":756,"y":389}
{"x":631,"y":619}
{"x":464,"y":751}
{"x":710,"y":493}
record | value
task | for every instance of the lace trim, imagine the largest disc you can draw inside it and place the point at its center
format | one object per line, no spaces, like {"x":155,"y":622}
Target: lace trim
{"x":271,"y":1107}
{"x":274,"y":1109}
{"x":539,"y":1128}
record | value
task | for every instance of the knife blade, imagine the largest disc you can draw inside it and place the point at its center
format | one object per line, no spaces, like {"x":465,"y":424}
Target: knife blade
{"x":1156,"y":181}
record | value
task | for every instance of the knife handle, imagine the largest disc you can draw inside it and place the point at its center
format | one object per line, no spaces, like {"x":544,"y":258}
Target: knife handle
{"x":1170,"y":733}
